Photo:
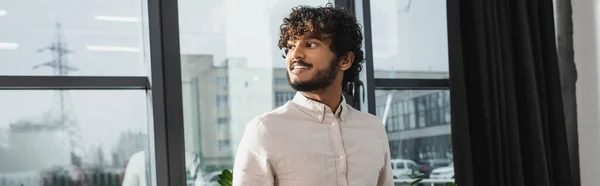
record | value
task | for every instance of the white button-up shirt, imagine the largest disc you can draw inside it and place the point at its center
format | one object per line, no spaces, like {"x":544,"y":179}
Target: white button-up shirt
{"x":303,"y":143}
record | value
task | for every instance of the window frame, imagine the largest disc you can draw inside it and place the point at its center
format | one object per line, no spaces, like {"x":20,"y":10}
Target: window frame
{"x":362,"y":10}
{"x":162,"y":85}
{"x":164,"y":89}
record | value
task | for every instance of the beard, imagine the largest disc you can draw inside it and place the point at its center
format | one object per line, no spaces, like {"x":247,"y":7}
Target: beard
{"x":323,"y":78}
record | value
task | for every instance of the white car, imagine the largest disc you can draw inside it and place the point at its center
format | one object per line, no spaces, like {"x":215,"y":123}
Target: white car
{"x":443,"y":172}
{"x":402,"y":168}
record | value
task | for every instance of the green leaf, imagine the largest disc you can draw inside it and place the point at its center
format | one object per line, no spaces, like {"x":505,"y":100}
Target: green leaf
{"x":228,"y":173}
{"x":224,"y":183}
{"x":225,"y":178}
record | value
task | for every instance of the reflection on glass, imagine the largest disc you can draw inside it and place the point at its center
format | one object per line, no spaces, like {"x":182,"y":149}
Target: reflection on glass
{"x":232,"y":71}
{"x":409,"y":38}
{"x":418,"y":126}
{"x":71,"y":37}
{"x":82,"y":137}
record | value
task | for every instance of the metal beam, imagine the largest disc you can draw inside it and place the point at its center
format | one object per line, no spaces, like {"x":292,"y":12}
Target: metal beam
{"x":412,"y":84}
{"x":368,"y":45}
{"x":168,"y":157}
{"x":72,"y":82}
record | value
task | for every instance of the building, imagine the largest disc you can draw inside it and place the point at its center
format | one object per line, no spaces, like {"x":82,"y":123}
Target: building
{"x":34,"y":146}
{"x":217,"y":101}
{"x":199,"y":91}
{"x":417,"y":122}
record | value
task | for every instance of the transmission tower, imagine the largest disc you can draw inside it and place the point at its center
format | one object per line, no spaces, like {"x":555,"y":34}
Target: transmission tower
{"x":61,"y":109}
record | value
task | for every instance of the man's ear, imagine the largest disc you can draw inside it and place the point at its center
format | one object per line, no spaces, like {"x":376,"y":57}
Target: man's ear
{"x":346,"y":61}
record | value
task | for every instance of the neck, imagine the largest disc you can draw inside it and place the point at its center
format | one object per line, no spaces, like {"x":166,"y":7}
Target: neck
{"x":330,"y":96}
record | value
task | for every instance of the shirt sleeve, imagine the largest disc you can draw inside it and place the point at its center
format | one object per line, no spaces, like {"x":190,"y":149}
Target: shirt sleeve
{"x":252,"y":166}
{"x":132,"y":170}
{"x":385,"y":176}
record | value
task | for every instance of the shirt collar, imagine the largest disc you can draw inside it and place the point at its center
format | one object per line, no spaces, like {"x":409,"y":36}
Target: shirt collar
{"x":318,"y":110}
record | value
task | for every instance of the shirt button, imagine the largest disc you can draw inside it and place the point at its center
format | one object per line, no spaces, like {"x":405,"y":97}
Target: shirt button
{"x":320,"y":117}
{"x":341,"y":157}
{"x":333,"y":124}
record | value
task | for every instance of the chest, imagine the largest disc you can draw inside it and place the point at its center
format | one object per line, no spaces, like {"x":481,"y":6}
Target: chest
{"x":329,"y":152}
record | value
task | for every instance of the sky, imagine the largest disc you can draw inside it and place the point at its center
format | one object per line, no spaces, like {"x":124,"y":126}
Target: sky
{"x":109,"y":38}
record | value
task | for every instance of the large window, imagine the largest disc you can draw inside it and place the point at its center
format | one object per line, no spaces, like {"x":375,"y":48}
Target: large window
{"x":407,"y":82}
{"x":235,"y":41}
{"x":75,"y":107}
{"x":158,"y":92}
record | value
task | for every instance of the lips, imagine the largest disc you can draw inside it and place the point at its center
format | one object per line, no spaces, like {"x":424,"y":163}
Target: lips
{"x":299,"y":67}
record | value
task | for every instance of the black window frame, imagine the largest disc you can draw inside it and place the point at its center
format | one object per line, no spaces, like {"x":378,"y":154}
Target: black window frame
{"x":162,"y":85}
{"x":164,"y":89}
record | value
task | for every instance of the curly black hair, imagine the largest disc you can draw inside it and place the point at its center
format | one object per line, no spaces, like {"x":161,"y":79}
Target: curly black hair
{"x":326,"y":23}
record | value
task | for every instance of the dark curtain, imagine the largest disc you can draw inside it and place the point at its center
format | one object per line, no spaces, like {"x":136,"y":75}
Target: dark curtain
{"x":508,"y":124}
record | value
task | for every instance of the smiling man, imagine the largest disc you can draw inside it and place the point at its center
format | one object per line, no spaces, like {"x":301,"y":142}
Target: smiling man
{"x":316,"y":139}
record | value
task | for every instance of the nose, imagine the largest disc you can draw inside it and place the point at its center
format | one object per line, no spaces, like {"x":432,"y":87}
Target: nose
{"x":297,"y":53}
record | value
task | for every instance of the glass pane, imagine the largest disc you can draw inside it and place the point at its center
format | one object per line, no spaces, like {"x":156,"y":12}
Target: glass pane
{"x":429,"y":144}
{"x":72,"y":37}
{"x":409,"y":38}
{"x":400,"y":165}
{"x":80,"y":137}
{"x":231,"y":41}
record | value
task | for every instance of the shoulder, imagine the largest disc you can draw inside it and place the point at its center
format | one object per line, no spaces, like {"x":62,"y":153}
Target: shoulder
{"x":266,"y":120}
{"x":260,"y":130}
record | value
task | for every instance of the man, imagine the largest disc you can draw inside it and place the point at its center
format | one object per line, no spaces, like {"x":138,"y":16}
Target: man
{"x":316,"y":139}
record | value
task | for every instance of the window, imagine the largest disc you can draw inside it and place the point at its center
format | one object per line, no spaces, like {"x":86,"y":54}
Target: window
{"x":222,"y":120}
{"x":411,"y":165}
{"x":94,"y":39}
{"x":233,"y":42}
{"x":222,"y":82}
{"x":281,"y":81}
{"x":283,"y":97}
{"x":224,"y":145}
{"x":96,"y":119}
{"x":410,"y":39}
{"x":400,"y":165}
{"x":412,"y":114}
{"x":425,"y":143}
{"x":47,"y":131}
{"x":222,"y":101}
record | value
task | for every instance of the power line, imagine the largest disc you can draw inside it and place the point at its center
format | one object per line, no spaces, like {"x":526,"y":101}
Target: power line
{"x":62,"y":103}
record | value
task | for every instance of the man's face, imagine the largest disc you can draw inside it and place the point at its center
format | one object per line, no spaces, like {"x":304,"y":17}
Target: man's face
{"x":311,"y":64}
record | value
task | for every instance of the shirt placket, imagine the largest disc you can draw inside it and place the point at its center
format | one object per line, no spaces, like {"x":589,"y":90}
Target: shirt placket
{"x":339,"y":151}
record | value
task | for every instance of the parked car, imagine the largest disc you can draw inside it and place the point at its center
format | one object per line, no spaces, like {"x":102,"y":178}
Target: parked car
{"x":443,"y":172}
{"x":425,"y":167}
{"x":402,"y":168}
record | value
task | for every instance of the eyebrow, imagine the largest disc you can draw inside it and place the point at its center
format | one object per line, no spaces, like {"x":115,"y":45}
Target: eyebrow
{"x":308,"y":37}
